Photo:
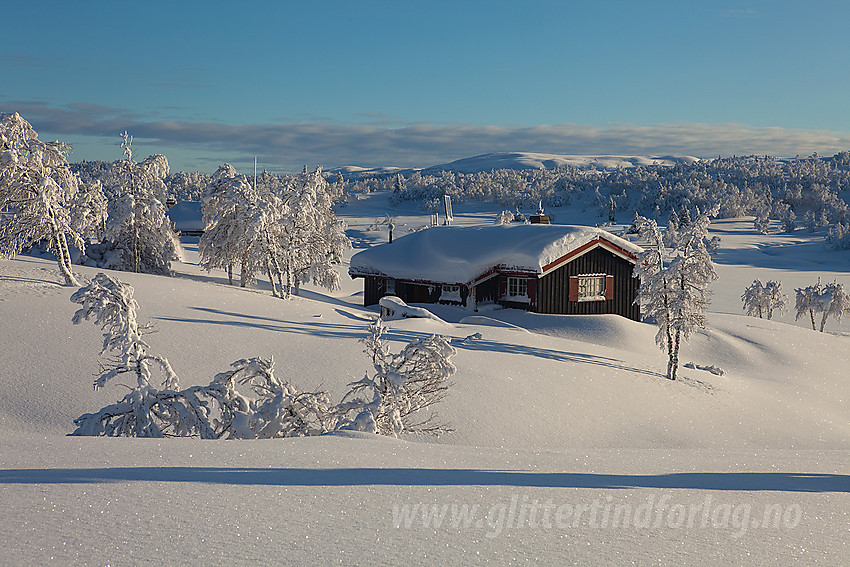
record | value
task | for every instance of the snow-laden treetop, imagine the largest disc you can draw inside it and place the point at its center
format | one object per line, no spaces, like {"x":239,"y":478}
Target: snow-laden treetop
{"x":453,"y":254}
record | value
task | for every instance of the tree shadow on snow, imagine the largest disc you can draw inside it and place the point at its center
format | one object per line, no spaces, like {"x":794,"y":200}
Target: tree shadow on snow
{"x":329,"y":299}
{"x":315,"y":327}
{"x":795,"y":256}
{"x":557,"y":355}
{"x":740,"y":481}
{"x":16,"y":279}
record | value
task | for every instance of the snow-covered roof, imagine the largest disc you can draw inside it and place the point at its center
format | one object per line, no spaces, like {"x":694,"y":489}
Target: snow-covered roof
{"x":461,"y":254}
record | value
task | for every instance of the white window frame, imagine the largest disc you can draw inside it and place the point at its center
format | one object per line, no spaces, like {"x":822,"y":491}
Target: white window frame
{"x":519,"y":286}
{"x":450,"y":293}
{"x":389,"y":287}
{"x":591,"y":287}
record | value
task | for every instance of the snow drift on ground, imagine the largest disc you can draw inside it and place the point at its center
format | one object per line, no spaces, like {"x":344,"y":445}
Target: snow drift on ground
{"x":550,"y":413}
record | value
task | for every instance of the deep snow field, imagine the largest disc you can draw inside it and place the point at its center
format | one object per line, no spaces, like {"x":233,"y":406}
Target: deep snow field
{"x":569,"y":446}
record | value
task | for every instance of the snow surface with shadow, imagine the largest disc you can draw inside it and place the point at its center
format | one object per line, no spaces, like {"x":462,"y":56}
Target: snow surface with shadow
{"x":569,"y":409}
{"x":743,"y":481}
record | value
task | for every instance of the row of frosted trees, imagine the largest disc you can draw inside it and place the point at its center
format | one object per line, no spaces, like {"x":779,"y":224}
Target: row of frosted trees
{"x":43,"y":201}
{"x":283,"y":226}
{"x":286,"y":229}
{"x":825,"y":301}
{"x":810,"y":192}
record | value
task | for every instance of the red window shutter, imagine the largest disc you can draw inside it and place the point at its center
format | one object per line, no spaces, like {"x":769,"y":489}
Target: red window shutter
{"x":609,"y":287}
{"x":573,"y":288}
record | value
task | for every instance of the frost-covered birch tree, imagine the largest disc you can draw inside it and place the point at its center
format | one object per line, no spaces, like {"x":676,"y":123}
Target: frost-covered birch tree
{"x":654,"y":291}
{"x":265,"y":223}
{"x":829,"y":300}
{"x":37,"y":190}
{"x":762,"y":300}
{"x":753,"y":298}
{"x":312,"y":239}
{"x":776,"y":300}
{"x":808,"y":302}
{"x":836,"y":302}
{"x":675,"y":295}
{"x":691,"y":272}
{"x":139,"y":236}
{"x":89,"y":214}
{"x":226,"y":205}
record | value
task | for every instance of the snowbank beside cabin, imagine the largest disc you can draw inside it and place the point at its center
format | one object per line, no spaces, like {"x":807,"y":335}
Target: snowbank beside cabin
{"x":460,"y":254}
{"x":393,"y":307}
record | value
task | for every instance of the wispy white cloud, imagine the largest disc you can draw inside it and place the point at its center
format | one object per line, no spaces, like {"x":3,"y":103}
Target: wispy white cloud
{"x":288,"y":145}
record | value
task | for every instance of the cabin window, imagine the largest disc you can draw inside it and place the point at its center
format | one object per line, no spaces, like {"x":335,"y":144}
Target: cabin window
{"x":389,"y":287}
{"x":450,"y":293}
{"x":517,"y":289}
{"x":591,"y":287}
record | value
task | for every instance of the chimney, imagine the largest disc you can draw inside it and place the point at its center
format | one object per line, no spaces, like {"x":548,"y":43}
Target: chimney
{"x":539,"y":218}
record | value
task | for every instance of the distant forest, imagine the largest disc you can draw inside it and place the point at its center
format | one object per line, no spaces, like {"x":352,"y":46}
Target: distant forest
{"x":808,"y":193}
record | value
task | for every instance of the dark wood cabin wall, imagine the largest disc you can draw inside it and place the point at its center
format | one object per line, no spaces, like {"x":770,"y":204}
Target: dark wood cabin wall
{"x":416,"y":293}
{"x":487,"y":291}
{"x":373,"y":290}
{"x":553,"y":289}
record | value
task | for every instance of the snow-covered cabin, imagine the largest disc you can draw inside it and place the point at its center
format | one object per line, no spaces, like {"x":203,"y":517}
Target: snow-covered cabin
{"x":538,"y":267}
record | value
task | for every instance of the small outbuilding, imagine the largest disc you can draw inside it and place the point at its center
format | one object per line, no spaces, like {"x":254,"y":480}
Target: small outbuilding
{"x":559,"y":269}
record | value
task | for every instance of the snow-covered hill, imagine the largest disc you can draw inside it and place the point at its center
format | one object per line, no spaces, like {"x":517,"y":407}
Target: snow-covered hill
{"x":569,"y":446}
{"x":522,"y":160}
{"x":528,"y":160}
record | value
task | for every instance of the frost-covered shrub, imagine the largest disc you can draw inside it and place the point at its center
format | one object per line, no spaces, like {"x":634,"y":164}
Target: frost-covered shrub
{"x":278,"y":410}
{"x":505,"y":217}
{"x":838,"y":236}
{"x":217,"y":410}
{"x":248,"y":401}
{"x":144,"y":411}
{"x":390,"y":401}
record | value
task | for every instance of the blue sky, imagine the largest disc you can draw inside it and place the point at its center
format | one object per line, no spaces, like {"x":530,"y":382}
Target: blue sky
{"x":417,"y":83}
